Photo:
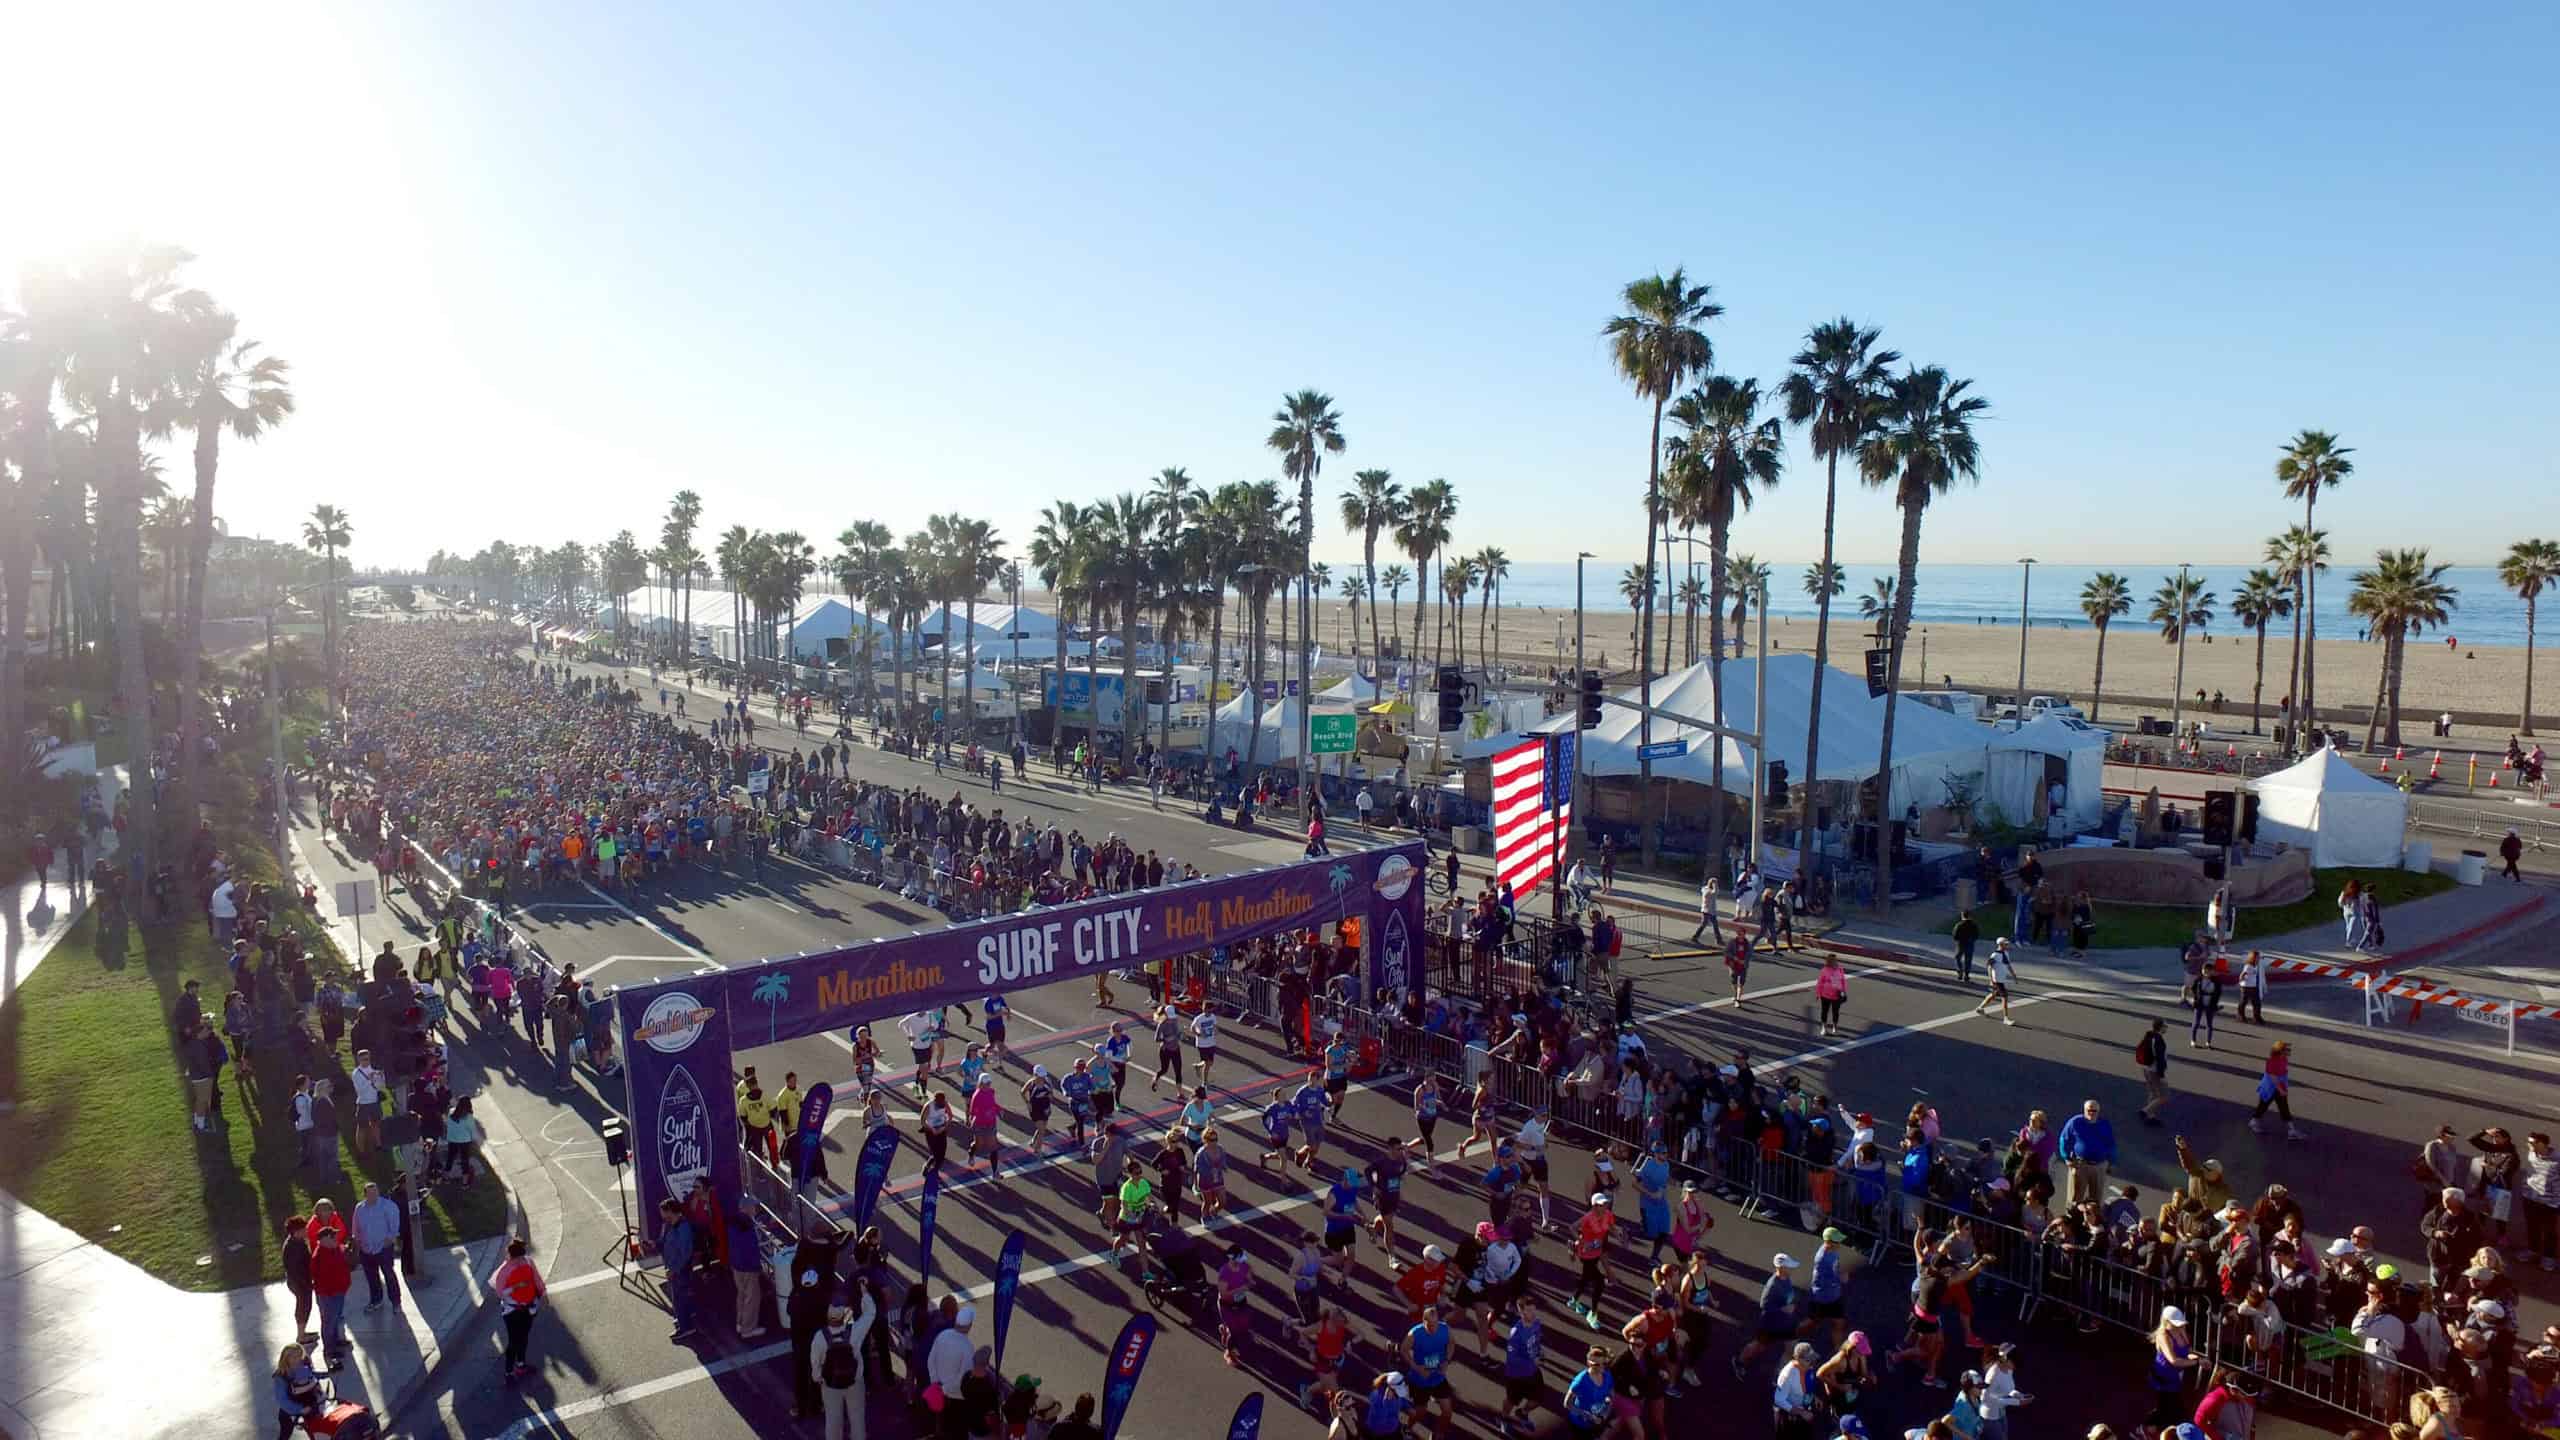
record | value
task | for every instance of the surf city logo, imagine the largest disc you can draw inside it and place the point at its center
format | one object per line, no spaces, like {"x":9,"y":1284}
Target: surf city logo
{"x":684,"y":1133}
{"x":1393,"y":945}
{"x":1396,"y":875}
{"x":672,"y":1023}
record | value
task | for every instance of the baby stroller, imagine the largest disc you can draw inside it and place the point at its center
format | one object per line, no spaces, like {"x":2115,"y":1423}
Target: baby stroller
{"x":334,"y":1419}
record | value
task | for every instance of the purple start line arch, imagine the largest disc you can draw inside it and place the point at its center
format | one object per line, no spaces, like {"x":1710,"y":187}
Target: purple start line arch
{"x":678,"y":1035}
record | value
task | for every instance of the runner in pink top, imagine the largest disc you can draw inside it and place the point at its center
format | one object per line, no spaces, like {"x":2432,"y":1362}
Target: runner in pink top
{"x":984,"y":1111}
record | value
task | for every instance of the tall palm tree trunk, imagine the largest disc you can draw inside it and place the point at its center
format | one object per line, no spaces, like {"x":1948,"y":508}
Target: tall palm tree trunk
{"x":1907,"y":572}
{"x":1719,"y":531}
{"x":2098,"y":679}
{"x":2524,"y":721}
{"x":1369,"y":568}
{"x":119,"y":452}
{"x":1822,"y":664}
{"x":969,"y":676}
{"x":1259,"y":616}
{"x":2399,"y":658}
{"x":1131,"y":711}
{"x":190,"y":636}
{"x":2310,"y":622}
{"x":1645,"y":826}
{"x":2381,"y":688}
{"x":1217,"y":644}
{"x":2293,"y":667}
{"x":2258,"y":686}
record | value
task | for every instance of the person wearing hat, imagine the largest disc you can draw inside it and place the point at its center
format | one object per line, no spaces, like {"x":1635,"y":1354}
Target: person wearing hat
{"x":2000,"y":1392}
{"x":2173,"y":1359}
{"x":1423,"y":1284}
{"x":2205,"y":1185}
{"x":1390,"y":1400}
{"x":1826,"y":1305}
{"x":1777,"y":1312}
{"x":2151,"y":1058}
{"x":1792,"y":1401}
{"x":834,"y":1365}
{"x":948,"y":1359}
{"x":1591,"y":1250}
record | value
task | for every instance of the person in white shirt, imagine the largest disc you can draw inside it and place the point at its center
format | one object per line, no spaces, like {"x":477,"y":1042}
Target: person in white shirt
{"x":1707,"y":923}
{"x":835,"y":1362}
{"x":1792,"y":1397}
{"x":1364,"y":802}
{"x":225,"y":910}
{"x":950,"y":1357}
{"x":2000,"y":1393}
{"x":367,"y":1082}
{"x":920,"y":1030}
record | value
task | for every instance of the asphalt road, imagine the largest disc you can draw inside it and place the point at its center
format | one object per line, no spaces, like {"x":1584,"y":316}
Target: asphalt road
{"x":606,"y":1369}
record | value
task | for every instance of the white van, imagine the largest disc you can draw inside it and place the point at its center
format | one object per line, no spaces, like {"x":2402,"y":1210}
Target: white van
{"x":1963,"y":704}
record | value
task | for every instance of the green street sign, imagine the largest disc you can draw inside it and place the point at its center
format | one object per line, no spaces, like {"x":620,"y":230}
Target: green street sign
{"x":1332,"y":734}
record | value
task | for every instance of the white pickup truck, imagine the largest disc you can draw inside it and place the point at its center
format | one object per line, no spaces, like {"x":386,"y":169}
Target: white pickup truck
{"x":2042,"y":705}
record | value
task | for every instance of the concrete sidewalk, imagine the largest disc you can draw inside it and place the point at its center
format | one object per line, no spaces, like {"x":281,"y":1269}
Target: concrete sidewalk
{"x":33,"y":922}
{"x":79,"y":1318}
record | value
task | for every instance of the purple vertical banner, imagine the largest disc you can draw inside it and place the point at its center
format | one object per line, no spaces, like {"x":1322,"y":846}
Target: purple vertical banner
{"x":926,"y":1209}
{"x":871,"y":1173}
{"x":1393,"y":925}
{"x":811,"y":1133}
{"x":1008,"y":1280}
{"x":1248,"y":1422}
{"x":1120,"y":1372}
{"x":675,"y":1047}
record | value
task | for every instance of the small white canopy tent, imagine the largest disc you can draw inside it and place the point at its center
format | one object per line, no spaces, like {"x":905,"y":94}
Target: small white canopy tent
{"x":2024,"y":761}
{"x":2337,"y":812}
{"x":1279,"y":730}
{"x":1349,"y":690}
{"x":1930,"y":746}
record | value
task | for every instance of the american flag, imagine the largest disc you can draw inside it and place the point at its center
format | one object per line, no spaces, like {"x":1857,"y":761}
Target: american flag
{"x":1532,"y":810}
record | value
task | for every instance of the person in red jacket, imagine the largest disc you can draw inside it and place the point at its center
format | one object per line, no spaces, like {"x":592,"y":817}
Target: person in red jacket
{"x":331,"y":1274}
{"x":325,"y":1216}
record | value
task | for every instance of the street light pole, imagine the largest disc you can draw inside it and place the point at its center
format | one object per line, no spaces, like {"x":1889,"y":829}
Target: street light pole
{"x":275,"y":742}
{"x":1014,"y":573}
{"x":2027,"y":570}
{"x":1572,"y":845}
{"x":1760,"y":729}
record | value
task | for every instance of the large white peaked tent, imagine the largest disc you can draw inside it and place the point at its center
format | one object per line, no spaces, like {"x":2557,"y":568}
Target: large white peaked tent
{"x":1930,"y":746}
{"x":2337,"y":812}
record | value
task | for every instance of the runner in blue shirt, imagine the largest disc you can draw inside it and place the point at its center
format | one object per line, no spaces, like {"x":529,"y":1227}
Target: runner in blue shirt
{"x":1427,"y":1101}
{"x":1522,"y":1386}
{"x":1342,"y":1222}
{"x":1388,"y":1403}
{"x":1309,"y":1103}
{"x":996,"y":1009}
{"x":1586,"y":1399}
{"x":1078,"y":1088}
{"x":1277,"y":1117}
{"x":1114,"y":1051}
{"x":1337,"y":1072}
{"x":1426,"y":1358}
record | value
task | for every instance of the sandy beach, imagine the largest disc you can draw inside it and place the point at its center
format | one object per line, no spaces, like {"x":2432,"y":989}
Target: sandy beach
{"x":2482,"y":684}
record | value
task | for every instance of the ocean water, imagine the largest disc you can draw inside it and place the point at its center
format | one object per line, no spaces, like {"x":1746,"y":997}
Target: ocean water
{"x":2486,"y":613}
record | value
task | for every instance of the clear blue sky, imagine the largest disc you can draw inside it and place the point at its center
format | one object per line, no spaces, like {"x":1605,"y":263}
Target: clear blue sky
{"x":540,"y":266}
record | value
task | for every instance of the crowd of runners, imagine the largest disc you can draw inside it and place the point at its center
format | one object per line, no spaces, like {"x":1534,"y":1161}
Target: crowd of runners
{"x":505,"y":760}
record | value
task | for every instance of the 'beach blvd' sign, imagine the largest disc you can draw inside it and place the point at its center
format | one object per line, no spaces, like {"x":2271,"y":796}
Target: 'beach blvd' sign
{"x":687,"y":1027}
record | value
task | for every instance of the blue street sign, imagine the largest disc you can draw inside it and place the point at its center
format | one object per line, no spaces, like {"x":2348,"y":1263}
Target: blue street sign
{"x":1665,"y":749}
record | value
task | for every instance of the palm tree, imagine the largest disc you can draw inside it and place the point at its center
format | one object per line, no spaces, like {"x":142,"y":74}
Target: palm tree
{"x":328,"y":531}
{"x":165,"y":527}
{"x":1691,"y":595}
{"x":2263,"y":597}
{"x":730,"y":555}
{"x":862,"y":568}
{"x":1657,"y":345}
{"x":2401,"y":595}
{"x":1492,"y":567}
{"x":1748,"y":580}
{"x":1125,"y":528}
{"x":1224,"y":545}
{"x":1723,"y":451}
{"x":1394,"y":578}
{"x":1304,"y":430}
{"x":1877,"y":605}
{"x":2179,"y":605}
{"x":1632,"y":586}
{"x":1054,"y":557}
{"x":1457,"y":578}
{"x":1375,"y":502}
{"x":2312,"y":462}
{"x":2104,"y":599}
{"x":33,"y":345}
{"x":684,"y":516}
{"x":226,"y":386}
{"x":1923,"y":443}
{"x":1824,"y":583}
{"x":1833,"y":390}
{"x":2528,"y":568}
{"x":977,"y":558}
{"x":2299,"y":553}
{"x":1355,"y":589}
{"x":1422,"y":533}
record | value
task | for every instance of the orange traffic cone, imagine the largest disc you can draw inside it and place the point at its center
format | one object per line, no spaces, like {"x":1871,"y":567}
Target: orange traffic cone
{"x":2435,"y":767}
{"x":2398,"y":754}
{"x":2386,"y":767}
{"x":2493,"y":779}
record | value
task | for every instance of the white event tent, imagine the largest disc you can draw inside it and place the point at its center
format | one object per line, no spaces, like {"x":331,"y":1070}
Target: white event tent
{"x":2027,"y":759}
{"x":2340,"y":814}
{"x":1930,"y":746}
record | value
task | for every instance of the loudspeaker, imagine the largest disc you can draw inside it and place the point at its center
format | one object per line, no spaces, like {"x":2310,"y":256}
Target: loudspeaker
{"x":1877,"y":661}
{"x":617,"y":1143}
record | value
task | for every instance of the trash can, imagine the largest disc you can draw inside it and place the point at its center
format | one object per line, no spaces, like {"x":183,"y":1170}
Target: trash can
{"x":2418,"y":856}
{"x":2472,"y":868}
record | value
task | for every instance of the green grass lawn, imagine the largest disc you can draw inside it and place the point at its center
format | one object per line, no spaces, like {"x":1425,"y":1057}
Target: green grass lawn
{"x":2133,"y":927}
{"x":99,"y":1139}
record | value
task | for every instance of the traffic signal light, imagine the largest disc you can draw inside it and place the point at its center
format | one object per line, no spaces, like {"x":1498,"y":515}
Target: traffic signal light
{"x":2219,"y":815}
{"x":2247,"y":830}
{"x":408,"y":1058}
{"x":1450,"y":699}
{"x":1590,"y":698}
{"x":1776,"y":793}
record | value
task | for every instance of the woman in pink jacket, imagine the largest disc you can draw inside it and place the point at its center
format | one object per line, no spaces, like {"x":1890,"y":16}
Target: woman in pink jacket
{"x":1831,"y":987}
